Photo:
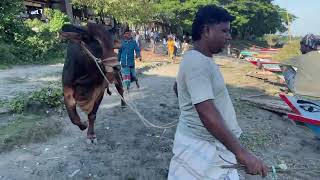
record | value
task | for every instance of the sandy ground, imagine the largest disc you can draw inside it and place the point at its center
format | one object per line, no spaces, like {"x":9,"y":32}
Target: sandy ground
{"x":126,"y":149}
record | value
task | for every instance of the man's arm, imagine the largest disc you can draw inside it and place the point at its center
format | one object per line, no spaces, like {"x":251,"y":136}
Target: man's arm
{"x":213,"y":121}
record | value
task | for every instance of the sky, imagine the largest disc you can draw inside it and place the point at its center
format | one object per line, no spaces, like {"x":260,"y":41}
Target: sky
{"x":307,"y":12}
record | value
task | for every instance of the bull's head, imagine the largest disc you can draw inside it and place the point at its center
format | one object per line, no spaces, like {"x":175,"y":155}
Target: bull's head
{"x":97,"y":31}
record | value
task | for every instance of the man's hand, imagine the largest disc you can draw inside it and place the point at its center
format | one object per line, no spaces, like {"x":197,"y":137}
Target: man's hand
{"x":253,"y":165}
{"x":213,"y":121}
{"x":139,"y":57}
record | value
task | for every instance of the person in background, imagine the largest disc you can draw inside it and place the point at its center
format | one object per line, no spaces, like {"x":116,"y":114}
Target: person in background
{"x":176,"y":47}
{"x":307,"y":64}
{"x":152,"y":41}
{"x":126,"y":57}
{"x":185,"y":45}
{"x":138,"y":41}
{"x":170,"y":45}
{"x":164,"y":45}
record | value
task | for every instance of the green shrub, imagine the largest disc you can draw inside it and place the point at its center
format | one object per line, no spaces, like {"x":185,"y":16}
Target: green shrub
{"x":18,"y":104}
{"x":56,"y":19}
{"x":33,"y":41}
{"x":9,"y":9}
{"x":6,"y":55}
{"x":49,"y":97}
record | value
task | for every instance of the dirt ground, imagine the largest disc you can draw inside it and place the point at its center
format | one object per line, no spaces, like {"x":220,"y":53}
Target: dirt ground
{"x":126,"y":149}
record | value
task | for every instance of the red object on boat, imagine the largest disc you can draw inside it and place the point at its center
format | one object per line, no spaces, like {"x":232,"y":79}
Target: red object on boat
{"x":310,"y":118}
{"x":269,"y":49}
{"x":300,"y":118}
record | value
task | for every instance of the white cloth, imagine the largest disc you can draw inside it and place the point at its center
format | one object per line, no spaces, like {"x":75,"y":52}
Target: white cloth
{"x":177,"y":44}
{"x":196,"y":159}
{"x":137,"y":38}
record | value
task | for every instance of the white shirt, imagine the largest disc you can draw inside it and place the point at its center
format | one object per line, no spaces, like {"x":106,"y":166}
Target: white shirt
{"x":199,"y":79}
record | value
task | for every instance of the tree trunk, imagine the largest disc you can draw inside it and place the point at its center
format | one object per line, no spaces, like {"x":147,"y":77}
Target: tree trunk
{"x":69,"y":10}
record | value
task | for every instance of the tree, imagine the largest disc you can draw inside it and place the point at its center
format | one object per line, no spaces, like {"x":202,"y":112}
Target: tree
{"x":253,"y":18}
{"x":131,"y":12}
{"x":179,"y":13}
{"x":256,"y":18}
{"x":9,"y":10}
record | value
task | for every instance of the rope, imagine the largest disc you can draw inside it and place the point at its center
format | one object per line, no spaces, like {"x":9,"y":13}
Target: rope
{"x":141,"y":117}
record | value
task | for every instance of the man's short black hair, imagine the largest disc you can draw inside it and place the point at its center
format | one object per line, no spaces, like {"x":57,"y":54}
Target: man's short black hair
{"x":206,"y":15}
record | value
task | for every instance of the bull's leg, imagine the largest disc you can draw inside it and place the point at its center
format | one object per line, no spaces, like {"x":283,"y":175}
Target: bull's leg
{"x":119,"y":88}
{"x":137,"y":83}
{"x":91,"y":136}
{"x":70,"y":104}
{"x":108,"y":90}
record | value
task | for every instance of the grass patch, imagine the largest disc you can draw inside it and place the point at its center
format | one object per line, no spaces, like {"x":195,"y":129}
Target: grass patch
{"x":245,"y":44}
{"x":27,"y":129}
{"x":257,"y":140}
{"x":290,"y":50}
{"x":4,"y":66}
{"x":48,"y":97}
{"x":30,"y":123}
{"x":4,"y":103}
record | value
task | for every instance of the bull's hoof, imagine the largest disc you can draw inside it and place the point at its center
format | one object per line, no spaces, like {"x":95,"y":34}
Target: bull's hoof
{"x":109,"y":92}
{"x":82,"y":125}
{"x":92,"y":139}
{"x":123,"y":105}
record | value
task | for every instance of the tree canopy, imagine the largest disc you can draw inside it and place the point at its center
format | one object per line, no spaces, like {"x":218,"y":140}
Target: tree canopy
{"x":9,"y":9}
{"x":256,"y":18}
{"x":253,"y":17}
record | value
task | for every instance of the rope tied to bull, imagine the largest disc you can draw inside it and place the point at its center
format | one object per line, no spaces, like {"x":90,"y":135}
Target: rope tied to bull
{"x":146,"y":122}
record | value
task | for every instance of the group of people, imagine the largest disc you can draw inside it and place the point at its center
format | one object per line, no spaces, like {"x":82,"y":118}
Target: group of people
{"x":130,"y":49}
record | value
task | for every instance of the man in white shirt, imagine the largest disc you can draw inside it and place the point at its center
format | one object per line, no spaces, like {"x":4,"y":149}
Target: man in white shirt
{"x":208,"y":132}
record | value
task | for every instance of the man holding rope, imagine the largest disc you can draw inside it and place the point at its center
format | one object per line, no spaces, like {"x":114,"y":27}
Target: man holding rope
{"x":207,"y":133}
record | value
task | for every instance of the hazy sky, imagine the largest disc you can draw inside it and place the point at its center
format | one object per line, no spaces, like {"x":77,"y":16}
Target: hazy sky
{"x":307,"y":12}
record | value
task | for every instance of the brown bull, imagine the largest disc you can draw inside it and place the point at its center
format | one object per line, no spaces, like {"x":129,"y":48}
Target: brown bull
{"x":83,"y":83}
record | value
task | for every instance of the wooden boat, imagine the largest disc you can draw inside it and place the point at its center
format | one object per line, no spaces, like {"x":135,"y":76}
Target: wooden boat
{"x":305,"y":111}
